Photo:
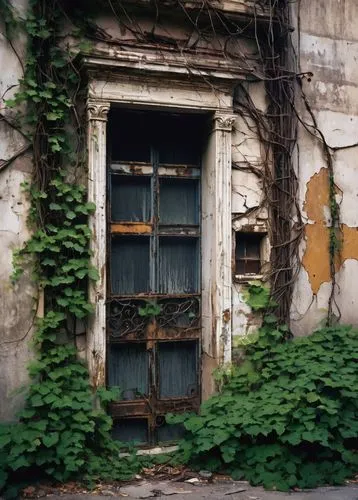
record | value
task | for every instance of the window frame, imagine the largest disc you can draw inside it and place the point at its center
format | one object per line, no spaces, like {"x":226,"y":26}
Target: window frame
{"x":262,"y":239}
{"x":153,"y":228}
{"x":146,"y":91}
{"x":153,"y":332}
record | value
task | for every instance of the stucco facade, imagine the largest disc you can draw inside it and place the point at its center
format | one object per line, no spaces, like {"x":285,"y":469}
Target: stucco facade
{"x":327,"y":47}
{"x":123,"y":72}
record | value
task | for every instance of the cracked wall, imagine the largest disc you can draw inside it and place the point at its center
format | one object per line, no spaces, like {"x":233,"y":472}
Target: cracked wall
{"x":16,"y":302}
{"x":328,"y":49}
{"x":249,"y":213}
{"x":327,"y":45}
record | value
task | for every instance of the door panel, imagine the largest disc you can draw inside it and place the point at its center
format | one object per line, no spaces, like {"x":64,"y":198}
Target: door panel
{"x":130,"y":265}
{"x":153,"y":312}
{"x":128,"y":369}
{"x":178,"y":369}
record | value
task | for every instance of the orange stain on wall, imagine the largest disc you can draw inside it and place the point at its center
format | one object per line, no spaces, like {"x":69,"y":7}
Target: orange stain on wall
{"x":350,"y":243}
{"x":316,"y":256}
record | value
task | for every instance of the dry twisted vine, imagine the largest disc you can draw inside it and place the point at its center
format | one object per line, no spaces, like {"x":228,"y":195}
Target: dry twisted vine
{"x":272,"y":62}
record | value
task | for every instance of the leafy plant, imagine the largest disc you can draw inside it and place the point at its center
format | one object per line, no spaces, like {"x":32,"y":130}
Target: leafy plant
{"x":150,"y":310}
{"x":258,"y":296}
{"x":62,"y":431}
{"x":287,"y":417}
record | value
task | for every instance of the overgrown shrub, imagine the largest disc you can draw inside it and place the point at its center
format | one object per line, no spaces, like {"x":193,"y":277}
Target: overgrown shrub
{"x":60,"y":433}
{"x":63,"y":432}
{"x":287,"y":417}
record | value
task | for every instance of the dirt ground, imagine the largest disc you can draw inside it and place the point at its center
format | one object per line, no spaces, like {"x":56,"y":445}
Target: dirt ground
{"x":192,"y":489}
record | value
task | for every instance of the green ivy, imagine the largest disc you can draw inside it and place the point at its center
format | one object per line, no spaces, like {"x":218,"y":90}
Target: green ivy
{"x":150,"y":310}
{"x":62,"y":432}
{"x":258,"y":296}
{"x":287,"y":417}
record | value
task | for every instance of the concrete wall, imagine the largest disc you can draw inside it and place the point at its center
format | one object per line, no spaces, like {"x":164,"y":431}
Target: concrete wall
{"x":249,"y":213}
{"x":16,"y":302}
{"x":328,"y":47}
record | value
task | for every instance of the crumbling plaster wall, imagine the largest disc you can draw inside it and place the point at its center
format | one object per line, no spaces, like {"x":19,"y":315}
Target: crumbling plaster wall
{"x":249,"y":212}
{"x":170,"y":37}
{"x":327,"y":44}
{"x":16,"y":302}
{"x":19,"y":301}
{"x":328,"y":47}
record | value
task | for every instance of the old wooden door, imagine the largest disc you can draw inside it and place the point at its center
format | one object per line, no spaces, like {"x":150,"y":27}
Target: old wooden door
{"x":154,"y":285}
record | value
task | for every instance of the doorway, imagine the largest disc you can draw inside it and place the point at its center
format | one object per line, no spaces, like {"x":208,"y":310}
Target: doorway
{"x":154,"y":271}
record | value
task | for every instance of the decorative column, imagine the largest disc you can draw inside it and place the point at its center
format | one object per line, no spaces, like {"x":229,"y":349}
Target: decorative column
{"x":97,"y":153}
{"x":222,"y":130}
{"x":217,"y":248}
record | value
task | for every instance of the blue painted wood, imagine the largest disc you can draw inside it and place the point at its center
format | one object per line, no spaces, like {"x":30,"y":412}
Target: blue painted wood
{"x":130,"y":265}
{"x":178,"y":369}
{"x":130,"y":198}
{"x":128,"y":369}
{"x":178,"y":265}
{"x":178,"y":201}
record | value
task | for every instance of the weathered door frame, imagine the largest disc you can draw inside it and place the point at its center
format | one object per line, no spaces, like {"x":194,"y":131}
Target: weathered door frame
{"x":169,"y":93}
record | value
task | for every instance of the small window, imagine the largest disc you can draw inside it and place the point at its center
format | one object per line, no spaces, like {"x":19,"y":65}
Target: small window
{"x":248,"y":253}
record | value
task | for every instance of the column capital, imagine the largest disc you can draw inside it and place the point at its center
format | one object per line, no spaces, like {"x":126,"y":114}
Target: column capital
{"x":97,"y":110}
{"x":224,"y":121}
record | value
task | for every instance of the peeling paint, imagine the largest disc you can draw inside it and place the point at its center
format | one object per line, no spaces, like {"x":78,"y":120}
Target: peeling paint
{"x":98,"y":375}
{"x":316,"y":256}
{"x":350,"y":243}
{"x":134,"y":227}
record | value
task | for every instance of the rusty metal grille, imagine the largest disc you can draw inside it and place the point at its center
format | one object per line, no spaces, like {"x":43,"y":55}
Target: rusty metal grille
{"x":154,"y":283}
{"x":124,"y":319}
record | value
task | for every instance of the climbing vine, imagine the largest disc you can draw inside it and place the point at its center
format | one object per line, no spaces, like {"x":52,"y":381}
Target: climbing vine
{"x":62,"y":431}
{"x":273,"y":64}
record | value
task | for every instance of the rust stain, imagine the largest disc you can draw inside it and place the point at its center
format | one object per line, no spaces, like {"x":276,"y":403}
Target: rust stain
{"x":135,"y":169}
{"x":131,"y":228}
{"x":316,"y":256}
{"x":226,"y":316}
{"x":183,"y":171}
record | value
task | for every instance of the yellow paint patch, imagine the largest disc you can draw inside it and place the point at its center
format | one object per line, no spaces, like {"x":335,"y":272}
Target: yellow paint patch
{"x":316,"y":256}
{"x":350,"y":243}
